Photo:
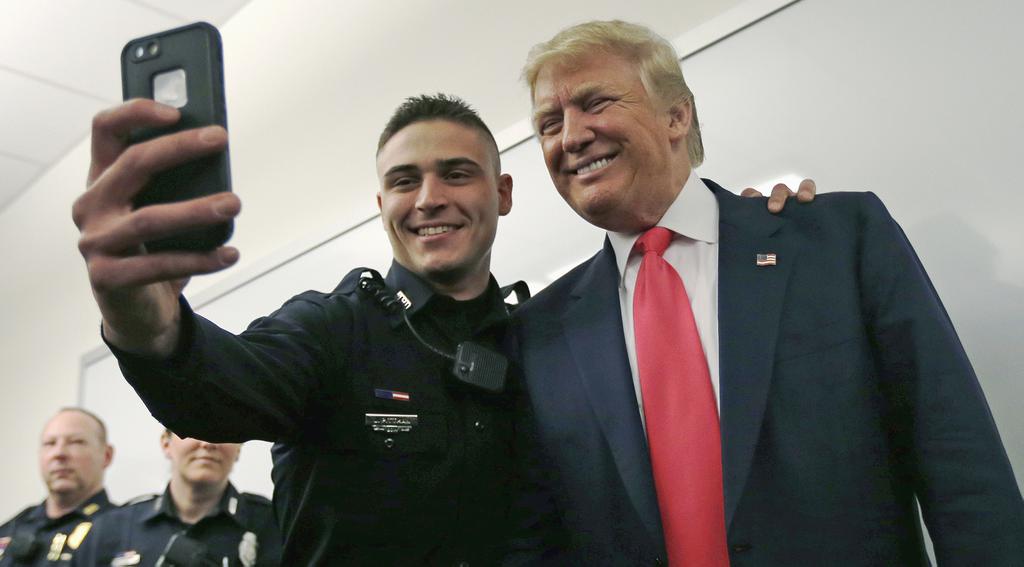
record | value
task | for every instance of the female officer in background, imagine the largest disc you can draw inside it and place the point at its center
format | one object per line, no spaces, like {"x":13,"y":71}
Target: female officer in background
{"x":199,"y":520}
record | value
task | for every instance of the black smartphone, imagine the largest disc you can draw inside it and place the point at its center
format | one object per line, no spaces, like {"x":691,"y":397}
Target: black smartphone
{"x":183,"y":68}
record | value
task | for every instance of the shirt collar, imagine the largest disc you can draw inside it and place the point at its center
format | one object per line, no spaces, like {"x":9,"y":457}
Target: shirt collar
{"x":693,"y":214}
{"x":164,"y":505}
{"x":93,"y":504}
{"x":420,"y":294}
{"x":403,"y":281}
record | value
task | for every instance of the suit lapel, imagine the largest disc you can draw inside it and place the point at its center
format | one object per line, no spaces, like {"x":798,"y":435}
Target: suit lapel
{"x":594,"y":333}
{"x":750,"y":299}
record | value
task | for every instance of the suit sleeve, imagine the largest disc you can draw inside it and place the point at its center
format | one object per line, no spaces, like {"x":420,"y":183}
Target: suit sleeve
{"x":222,"y":387}
{"x":940,"y":423}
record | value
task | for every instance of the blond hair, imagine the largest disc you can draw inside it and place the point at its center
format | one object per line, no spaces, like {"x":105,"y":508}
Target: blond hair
{"x":656,"y":59}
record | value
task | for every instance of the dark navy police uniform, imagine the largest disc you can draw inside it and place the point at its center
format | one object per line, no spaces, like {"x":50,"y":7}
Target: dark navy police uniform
{"x":31,"y":538}
{"x":323,"y":377}
{"x":239,"y":532}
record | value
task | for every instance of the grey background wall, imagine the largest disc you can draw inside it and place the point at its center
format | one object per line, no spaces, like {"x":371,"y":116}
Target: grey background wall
{"x":915,"y":102}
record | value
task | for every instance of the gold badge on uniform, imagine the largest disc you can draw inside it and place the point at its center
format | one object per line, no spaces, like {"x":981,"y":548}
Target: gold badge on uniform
{"x":78,"y":534}
{"x":91,"y":509}
{"x":56,"y":547}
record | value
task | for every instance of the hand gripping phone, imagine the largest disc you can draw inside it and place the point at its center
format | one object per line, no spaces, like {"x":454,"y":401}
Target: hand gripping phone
{"x":183,"y":68}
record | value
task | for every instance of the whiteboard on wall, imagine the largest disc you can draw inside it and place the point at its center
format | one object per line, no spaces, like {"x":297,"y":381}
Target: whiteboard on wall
{"x":916,"y":101}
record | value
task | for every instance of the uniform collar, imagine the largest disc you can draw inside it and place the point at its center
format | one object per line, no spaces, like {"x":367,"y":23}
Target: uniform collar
{"x":163,"y":506}
{"x":93,"y":504}
{"x":693,"y":214}
{"x":420,"y":294}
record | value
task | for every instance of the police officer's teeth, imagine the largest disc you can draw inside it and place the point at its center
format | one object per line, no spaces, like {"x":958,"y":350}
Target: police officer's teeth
{"x":432,"y":230}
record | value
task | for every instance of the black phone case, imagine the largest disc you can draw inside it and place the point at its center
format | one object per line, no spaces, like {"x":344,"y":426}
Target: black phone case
{"x":196,"y":48}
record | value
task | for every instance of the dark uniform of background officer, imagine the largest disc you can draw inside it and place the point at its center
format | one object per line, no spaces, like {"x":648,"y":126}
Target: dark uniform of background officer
{"x":382,"y":456}
{"x":73,"y":454}
{"x":199,"y":520}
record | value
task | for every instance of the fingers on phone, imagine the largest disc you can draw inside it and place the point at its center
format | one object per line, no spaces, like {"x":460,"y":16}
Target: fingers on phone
{"x":136,"y":165}
{"x":123,"y":234}
{"x":118,"y":121}
{"x":751,"y":192}
{"x":118,"y":272}
{"x":111,"y":127}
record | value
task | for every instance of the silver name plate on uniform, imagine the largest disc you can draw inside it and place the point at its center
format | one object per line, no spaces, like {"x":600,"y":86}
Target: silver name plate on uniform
{"x":391,"y":422}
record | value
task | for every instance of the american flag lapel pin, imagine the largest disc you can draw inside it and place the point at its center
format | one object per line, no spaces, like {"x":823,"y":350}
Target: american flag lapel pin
{"x":391,"y":395}
{"x":766,"y":259}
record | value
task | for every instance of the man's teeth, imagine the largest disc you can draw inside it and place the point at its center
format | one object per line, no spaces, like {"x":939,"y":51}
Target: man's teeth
{"x":594,"y":165}
{"x":432,"y":230}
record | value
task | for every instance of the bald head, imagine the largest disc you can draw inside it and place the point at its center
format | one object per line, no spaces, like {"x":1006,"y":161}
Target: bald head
{"x":73,"y":455}
{"x":98,"y":427}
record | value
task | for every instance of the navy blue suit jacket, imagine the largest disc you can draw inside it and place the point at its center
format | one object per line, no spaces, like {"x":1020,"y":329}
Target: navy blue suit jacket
{"x":846,"y":397}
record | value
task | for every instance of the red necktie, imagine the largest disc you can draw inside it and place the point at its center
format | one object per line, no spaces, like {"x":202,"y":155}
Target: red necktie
{"x":679,"y":410}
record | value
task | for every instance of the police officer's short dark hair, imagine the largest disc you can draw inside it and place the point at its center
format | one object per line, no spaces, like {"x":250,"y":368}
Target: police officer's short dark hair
{"x":436,"y":107}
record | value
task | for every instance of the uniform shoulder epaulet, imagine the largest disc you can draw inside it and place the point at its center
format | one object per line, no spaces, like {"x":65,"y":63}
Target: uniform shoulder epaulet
{"x":140,"y":499}
{"x":19,"y":516}
{"x":519,"y":290}
{"x":255,"y":499}
{"x":350,"y":282}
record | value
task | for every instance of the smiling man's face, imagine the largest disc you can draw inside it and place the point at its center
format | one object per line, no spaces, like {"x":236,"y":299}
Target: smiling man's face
{"x":199,"y":462}
{"x":440,"y":197}
{"x":607,"y":143}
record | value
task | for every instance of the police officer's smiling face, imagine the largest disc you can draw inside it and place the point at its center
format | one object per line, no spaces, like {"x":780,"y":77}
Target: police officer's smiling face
{"x":73,"y":455}
{"x":440,"y":197}
{"x":199,"y":462}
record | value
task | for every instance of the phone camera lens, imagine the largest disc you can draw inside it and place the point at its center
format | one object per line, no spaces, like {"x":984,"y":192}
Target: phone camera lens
{"x":154,"y":48}
{"x":139,"y":52}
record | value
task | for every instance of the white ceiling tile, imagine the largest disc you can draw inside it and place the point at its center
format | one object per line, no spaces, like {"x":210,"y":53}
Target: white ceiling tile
{"x":73,"y":42}
{"x":15,"y":177}
{"x":41,"y":122}
{"x":215,"y":12}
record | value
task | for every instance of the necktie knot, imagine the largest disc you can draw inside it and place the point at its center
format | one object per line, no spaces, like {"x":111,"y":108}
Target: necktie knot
{"x":654,"y":240}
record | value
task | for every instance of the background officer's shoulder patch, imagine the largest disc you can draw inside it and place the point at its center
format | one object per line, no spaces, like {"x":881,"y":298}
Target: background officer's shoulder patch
{"x":140,"y":499}
{"x":255,"y":499}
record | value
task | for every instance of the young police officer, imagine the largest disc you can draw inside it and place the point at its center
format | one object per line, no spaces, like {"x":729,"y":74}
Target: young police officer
{"x":73,"y":454}
{"x":382,"y":454}
{"x":199,"y":520}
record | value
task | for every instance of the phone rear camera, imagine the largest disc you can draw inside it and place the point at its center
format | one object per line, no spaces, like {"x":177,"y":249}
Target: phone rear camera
{"x":153,"y":48}
{"x":139,"y":52}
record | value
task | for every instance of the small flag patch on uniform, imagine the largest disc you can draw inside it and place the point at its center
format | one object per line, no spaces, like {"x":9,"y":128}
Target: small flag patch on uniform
{"x":766,"y":259}
{"x":391,"y":395}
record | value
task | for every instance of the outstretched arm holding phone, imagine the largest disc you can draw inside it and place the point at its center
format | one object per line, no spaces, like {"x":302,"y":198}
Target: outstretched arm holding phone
{"x":137,"y":293}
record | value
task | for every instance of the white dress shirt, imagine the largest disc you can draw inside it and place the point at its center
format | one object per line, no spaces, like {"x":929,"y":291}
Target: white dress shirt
{"x":693,"y":252}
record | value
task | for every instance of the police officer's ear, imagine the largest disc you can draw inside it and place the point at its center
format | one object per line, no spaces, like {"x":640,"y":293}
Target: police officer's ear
{"x":108,"y":455}
{"x":165,"y":442}
{"x":504,"y":194}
